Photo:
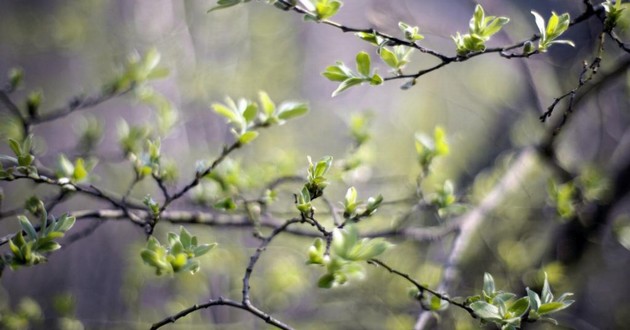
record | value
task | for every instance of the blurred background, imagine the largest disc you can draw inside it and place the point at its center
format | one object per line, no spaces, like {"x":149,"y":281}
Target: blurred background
{"x":489,"y":107}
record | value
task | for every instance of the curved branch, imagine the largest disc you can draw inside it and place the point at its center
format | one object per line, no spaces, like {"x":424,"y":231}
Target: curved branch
{"x":214,"y":302}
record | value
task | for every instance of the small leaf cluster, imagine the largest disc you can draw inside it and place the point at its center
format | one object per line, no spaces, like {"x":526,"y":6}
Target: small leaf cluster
{"x":26,"y":315}
{"x":32,"y":249}
{"x":77,"y":172}
{"x":613,"y":13}
{"x":542,"y":306}
{"x":445,"y":201}
{"x":429,"y":148}
{"x":508,"y":311}
{"x":549,"y":32}
{"x":24,"y":159}
{"x":354,"y":209}
{"x":410,"y":32}
{"x":395,"y":57}
{"x":138,"y":70}
{"x":347,"y":254}
{"x":148,"y":161}
{"x":481,"y":28}
{"x":177,"y":256}
{"x":152,"y":206}
{"x":244,"y":115}
{"x":590,"y":185}
{"x":321,"y":9}
{"x":316,"y":181}
{"x":348,"y":78}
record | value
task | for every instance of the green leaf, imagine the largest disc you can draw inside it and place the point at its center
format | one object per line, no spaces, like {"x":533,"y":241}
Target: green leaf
{"x":226,"y":112}
{"x":184,"y":237}
{"x":347,"y":84}
{"x":519,"y":307}
{"x":363,"y":64}
{"x":267,"y":104}
{"x":323,"y":165}
{"x":250,"y":112}
{"x":48,"y":246}
{"x":326,"y":8}
{"x":488,"y":284}
{"x":540,"y":24}
{"x":151,"y":60}
{"x":15,"y":249}
{"x":27,"y":227}
{"x":551,"y":307}
{"x":534,"y":299}
{"x":65,"y":223}
{"x":65,"y":168}
{"x":80,"y":171}
{"x":368,"y":249}
{"x":336,"y":73}
{"x":15,"y":146}
{"x":149,"y":257}
{"x":326,"y":281}
{"x":546,"y":294}
{"x":247,"y":137}
{"x":495,"y":26}
{"x":376,"y":80}
{"x":389,"y":57}
{"x":486,"y":311}
{"x":203,"y":249}
{"x":289,"y":110}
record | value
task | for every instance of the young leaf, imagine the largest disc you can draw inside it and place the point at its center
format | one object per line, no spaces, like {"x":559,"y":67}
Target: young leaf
{"x":291,"y":110}
{"x":247,"y":137}
{"x":488,"y":284}
{"x":336,"y":73}
{"x":27,"y":227}
{"x":267,"y":104}
{"x":363,"y":64}
{"x":486,"y":311}
{"x":347,"y":84}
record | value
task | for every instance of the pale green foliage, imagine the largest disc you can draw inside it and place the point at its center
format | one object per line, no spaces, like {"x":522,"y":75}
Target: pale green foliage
{"x":563,"y":197}
{"x":348,"y":78}
{"x":177,"y":256}
{"x":138,"y":70}
{"x":613,"y":13}
{"x":346,"y":255}
{"x":244,"y":115}
{"x":556,"y":26}
{"x":507,"y":311}
{"x":353,"y":209}
{"x":444,"y":200}
{"x":316,"y":178}
{"x":76,"y":172}
{"x":26,"y":315}
{"x":322,"y":9}
{"x":316,"y":181}
{"x":429,"y":148}
{"x":545,"y":304}
{"x":481,"y":28}
{"x":33,"y":248}
{"x":590,"y":185}
{"x":410,"y":32}
{"x":396,"y":57}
